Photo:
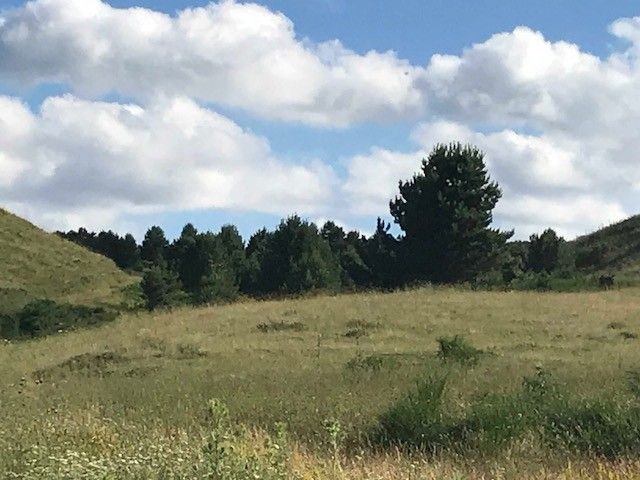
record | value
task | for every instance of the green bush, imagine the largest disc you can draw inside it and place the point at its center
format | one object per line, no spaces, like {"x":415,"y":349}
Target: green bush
{"x":46,"y":317}
{"x":457,"y":349}
{"x":417,"y":420}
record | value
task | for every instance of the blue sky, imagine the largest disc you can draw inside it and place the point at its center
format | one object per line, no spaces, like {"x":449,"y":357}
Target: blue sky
{"x":356,"y":128}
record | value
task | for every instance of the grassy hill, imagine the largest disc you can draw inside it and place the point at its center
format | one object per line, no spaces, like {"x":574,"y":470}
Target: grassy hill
{"x":36,"y":264}
{"x":129,"y":399}
{"x":614,"y":249}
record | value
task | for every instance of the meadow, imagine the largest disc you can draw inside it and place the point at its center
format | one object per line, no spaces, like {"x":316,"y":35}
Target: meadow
{"x":308,"y":382}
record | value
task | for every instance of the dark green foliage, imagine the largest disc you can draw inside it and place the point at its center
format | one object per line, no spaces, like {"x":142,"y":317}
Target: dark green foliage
{"x":445,"y":212}
{"x":154,"y":246}
{"x":544,"y":252}
{"x":209,"y":266}
{"x":219,"y":285}
{"x":123,"y":251}
{"x":233,"y":253}
{"x":381,"y":252}
{"x":252,"y":281}
{"x":349,"y":249}
{"x":281,"y":326}
{"x":46,"y":317}
{"x":457,"y":349}
{"x":161,"y":288}
{"x":296,"y":259}
{"x":591,"y":257}
{"x":513,"y":260}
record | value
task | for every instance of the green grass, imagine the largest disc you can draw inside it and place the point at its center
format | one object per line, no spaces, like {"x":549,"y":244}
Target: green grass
{"x":156,"y":372}
{"x":35,"y":264}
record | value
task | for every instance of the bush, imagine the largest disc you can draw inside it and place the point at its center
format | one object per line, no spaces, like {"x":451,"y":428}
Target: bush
{"x":46,"y":317}
{"x":417,"y":420}
{"x":459,"y":350}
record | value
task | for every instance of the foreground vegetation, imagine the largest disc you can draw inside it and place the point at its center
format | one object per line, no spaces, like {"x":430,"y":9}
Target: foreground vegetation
{"x":430,"y":383}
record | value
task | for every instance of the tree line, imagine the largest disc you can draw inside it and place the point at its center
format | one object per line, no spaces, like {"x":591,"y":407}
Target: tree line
{"x":444,"y":213}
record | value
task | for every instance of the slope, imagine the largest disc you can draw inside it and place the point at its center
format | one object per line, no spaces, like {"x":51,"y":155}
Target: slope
{"x":613,"y":249}
{"x":37,"y":264}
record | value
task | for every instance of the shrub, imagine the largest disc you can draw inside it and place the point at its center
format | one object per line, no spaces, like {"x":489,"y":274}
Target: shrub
{"x":417,"y":419}
{"x":46,"y":317}
{"x":459,"y":350}
{"x":373,"y":363}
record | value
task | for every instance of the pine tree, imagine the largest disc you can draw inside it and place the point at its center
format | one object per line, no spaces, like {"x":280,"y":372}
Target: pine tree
{"x":445,"y":212}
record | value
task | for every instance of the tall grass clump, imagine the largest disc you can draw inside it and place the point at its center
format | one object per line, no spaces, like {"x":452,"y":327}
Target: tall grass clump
{"x":458,"y":349}
{"x":228,"y":455}
{"x":418,"y":419}
{"x":540,"y":408}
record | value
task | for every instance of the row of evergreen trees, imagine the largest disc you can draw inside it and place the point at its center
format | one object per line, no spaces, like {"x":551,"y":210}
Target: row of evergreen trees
{"x":444,"y":212}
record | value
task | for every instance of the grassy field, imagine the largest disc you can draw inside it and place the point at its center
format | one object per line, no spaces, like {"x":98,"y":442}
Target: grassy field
{"x":36,"y":264}
{"x":130,"y":398}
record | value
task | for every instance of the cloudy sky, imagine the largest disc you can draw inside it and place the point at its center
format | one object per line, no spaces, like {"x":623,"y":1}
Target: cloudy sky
{"x":121,"y":114}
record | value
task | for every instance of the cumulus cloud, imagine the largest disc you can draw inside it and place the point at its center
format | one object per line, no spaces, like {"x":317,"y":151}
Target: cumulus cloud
{"x":558,"y":125}
{"x":237,"y":54}
{"x":84,"y":161}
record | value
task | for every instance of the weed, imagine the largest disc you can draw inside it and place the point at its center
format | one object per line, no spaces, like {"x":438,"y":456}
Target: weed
{"x":616,"y":325}
{"x":281,"y":326}
{"x":457,"y":349}
{"x":629,"y":335}
{"x":186,"y":351}
{"x":369,"y":363}
{"x":363,"y":324}
{"x":356,"y":333}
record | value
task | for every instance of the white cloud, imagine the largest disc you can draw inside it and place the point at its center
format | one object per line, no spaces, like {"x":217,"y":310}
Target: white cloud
{"x":558,"y":125}
{"x":92,"y":162}
{"x":237,"y":54}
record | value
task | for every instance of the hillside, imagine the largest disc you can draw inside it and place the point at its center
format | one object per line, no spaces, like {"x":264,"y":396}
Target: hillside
{"x":37,"y":264}
{"x":614,"y":249}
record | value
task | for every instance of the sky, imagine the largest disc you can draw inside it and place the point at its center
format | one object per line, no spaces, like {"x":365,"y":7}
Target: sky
{"x":123,"y":114}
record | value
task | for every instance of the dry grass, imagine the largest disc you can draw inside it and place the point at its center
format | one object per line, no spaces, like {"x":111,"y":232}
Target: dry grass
{"x":169,"y":365}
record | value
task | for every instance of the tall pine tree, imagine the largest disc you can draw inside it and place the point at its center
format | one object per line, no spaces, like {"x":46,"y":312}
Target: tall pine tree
{"x":445,"y":212}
